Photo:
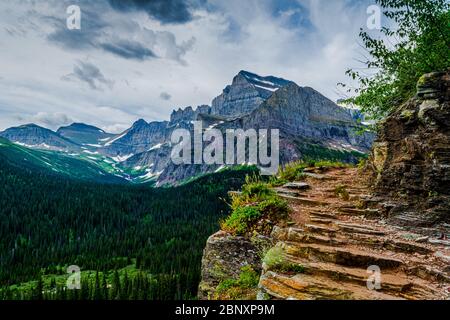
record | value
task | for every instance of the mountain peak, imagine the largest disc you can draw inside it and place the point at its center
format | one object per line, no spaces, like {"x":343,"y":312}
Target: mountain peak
{"x":247,"y":91}
{"x":30,"y":125}
{"x":140,"y":123}
{"x":269,"y":83}
{"x":80,"y":126}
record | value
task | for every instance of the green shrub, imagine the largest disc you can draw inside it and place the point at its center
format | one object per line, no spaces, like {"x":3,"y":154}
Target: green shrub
{"x":257,"y":190}
{"x":274,"y":257}
{"x":256,"y":201}
{"x":242,"y":288}
{"x":331,"y":164}
{"x":274,"y":208}
{"x":362,"y":163}
{"x":246,"y":215}
{"x":248,"y":278}
{"x":292,"y":267}
{"x":240,"y":219}
{"x":292,"y":171}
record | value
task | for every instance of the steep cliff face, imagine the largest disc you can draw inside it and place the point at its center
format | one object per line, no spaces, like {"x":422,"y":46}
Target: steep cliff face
{"x":304,"y":112}
{"x":188,"y":114}
{"x":410,"y":161}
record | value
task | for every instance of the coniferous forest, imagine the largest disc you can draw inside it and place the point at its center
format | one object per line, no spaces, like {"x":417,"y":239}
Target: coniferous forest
{"x":130,"y":242}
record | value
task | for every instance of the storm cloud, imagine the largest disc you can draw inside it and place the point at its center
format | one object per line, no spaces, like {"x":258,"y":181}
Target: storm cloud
{"x":124,"y":38}
{"x":165,"y":11}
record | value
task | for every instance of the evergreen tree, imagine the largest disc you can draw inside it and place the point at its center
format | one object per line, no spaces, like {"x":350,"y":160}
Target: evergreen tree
{"x":115,"y":290}
{"x":97,"y":293}
{"x":104,"y":288}
{"x":39,"y":289}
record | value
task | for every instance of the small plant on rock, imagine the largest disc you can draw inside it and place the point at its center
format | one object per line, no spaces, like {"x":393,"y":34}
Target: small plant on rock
{"x":341,"y":191}
{"x":242,"y":288}
{"x":276,"y":260}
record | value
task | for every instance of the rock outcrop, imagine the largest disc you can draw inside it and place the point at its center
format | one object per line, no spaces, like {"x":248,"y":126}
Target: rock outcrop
{"x":331,"y":247}
{"x":410,"y":161}
{"x":223,"y":258}
{"x":188,"y":114}
{"x":349,"y":226}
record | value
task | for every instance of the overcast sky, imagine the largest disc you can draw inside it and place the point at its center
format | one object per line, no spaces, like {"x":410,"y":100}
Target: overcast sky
{"x":141,"y":59}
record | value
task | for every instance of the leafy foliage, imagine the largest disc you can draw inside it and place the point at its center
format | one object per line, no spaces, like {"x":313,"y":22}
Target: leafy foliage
{"x":414,"y":42}
{"x":255,"y":203}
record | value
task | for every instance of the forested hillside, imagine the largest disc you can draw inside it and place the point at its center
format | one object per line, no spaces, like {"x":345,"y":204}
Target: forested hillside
{"x":138,"y":241}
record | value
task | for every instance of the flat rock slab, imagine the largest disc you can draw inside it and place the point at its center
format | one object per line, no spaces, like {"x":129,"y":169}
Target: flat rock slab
{"x":437,"y":241}
{"x":297,"y":185}
{"x":316,"y":176}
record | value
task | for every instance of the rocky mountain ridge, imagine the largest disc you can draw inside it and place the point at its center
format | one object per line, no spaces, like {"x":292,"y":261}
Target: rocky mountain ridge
{"x":309,"y":124}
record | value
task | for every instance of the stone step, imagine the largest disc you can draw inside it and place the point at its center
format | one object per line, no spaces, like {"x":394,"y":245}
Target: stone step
{"x":324,"y":215}
{"x":393,"y":245}
{"x":359,"y":212}
{"x":358,"y":228}
{"x":430,"y":274}
{"x":297,"y":186}
{"x":343,"y":256}
{"x":322,"y":230}
{"x":406,"y":247}
{"x":321,"y":220}
{"x":299,"y":235}
{"x":391,"y":282}
{"x":287,"y":192}
{"x":304,"y":201}
{"x":319,"y":176}
{"x":307,"y":287}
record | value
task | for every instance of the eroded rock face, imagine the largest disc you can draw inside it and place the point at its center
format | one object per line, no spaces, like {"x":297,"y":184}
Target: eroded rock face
{"x":188,"y":114}
{"x":410,"y":160}
{"x":223,"y":258}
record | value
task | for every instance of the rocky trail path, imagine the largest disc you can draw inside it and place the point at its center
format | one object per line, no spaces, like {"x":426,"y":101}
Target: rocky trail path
{"x":336,"y":234}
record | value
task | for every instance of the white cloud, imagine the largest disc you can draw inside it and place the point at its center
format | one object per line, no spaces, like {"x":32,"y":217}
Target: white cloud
{"x":195,"y":60}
